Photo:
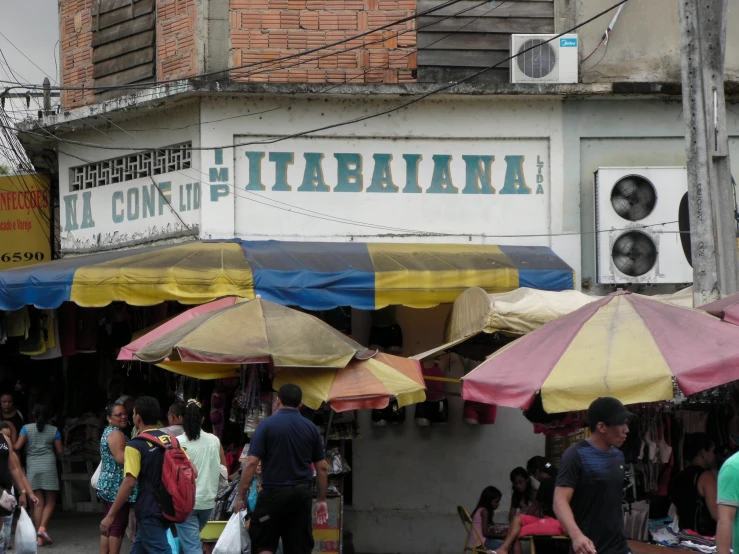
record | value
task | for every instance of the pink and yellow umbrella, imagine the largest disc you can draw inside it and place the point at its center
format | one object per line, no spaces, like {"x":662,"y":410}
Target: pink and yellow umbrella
{"x":199,"y":370}
{"x":362,"y":384}
{"x":624,"y":345}
{"x":210,"y":341}
{"x":727,"y":308}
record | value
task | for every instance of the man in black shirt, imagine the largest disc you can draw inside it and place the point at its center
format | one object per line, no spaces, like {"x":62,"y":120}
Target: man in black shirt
{"x":525,"y":525}
{"x":286,"y":444}
{"x":589,"y":494}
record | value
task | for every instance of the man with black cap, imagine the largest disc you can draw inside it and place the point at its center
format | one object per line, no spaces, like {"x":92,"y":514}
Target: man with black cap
{"x":589,"y":489}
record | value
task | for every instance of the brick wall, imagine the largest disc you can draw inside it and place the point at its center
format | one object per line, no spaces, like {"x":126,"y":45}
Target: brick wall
{"x":176,"y":52}
{"x":264,"y":30}
{"x":75,"y":19}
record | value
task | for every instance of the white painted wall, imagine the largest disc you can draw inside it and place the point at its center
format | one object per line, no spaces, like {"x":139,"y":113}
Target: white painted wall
{"x":476,"y":125}
{"x":621,"y":133}
{"x":408,"y":480}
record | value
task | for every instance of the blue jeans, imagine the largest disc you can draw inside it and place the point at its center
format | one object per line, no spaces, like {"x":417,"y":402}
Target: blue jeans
{"x":151,"y":536}
{"x":188,"y":532}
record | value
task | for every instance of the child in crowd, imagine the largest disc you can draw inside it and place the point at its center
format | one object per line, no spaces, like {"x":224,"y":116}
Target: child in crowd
{"x":482,"y":519}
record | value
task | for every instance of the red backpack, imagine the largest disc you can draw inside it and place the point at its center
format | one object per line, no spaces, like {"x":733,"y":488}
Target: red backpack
{"x":176,"y":493}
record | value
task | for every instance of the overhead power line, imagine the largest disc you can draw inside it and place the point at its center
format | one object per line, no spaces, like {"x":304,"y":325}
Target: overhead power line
{"x":387,"y":111}
{"x":246,"y":66}
{"x":336,"y":85}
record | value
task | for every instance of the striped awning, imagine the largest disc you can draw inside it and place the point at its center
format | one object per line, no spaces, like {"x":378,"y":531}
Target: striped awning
{"x":312,"y":275}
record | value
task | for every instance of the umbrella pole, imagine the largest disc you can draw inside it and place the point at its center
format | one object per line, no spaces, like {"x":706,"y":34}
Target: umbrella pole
{"x":328,"y":426}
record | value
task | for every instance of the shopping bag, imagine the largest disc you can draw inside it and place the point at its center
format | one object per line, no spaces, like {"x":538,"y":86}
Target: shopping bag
{"x":7,"y":501}
{"x":25,"y":535}
{"x":174,"y":544}
{"x":230,"y":539}
{"x":96,"y":476}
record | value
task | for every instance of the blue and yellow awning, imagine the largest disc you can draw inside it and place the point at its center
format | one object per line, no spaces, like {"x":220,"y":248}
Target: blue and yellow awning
{"x":312,"y":275}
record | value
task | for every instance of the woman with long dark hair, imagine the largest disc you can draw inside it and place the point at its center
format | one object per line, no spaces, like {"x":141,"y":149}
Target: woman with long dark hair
{"x":544,"y":522}
{"x":482,"y":518}
{"x":207,"y":455}
{"x":43,"y":440}
{"x":523,"y":500}
{"x":112,"y":457}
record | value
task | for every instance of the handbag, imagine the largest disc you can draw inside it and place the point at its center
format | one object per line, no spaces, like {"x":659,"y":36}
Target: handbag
{"x":96,"y":476}
{"x":8,"y":501}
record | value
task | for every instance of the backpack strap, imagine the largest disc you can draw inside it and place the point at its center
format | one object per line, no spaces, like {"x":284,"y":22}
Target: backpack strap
{"x":157,"y":441}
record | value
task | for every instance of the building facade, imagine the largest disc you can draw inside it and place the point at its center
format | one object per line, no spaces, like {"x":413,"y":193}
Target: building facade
{"x":275,"y":120}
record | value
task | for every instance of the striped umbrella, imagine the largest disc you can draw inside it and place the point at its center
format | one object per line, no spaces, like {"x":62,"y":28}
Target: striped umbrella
{"x":726,"y":308}
{"x":362,"y":384}
{"x":624,"y":345}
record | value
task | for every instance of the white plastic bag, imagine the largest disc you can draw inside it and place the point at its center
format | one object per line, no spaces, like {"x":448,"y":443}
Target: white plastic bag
{"x":96,"y":476}
{"x":25,"y":535}
{"x":230,"y":540}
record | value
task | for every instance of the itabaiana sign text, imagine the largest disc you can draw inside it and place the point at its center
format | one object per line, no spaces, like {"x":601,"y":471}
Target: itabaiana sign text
{"x":302,"y":187}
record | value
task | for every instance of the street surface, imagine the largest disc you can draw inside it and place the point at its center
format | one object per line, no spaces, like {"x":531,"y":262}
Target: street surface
{"x":76,"y":534}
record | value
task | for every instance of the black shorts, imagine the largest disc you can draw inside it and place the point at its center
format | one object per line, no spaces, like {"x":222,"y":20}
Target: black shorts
{"x":284,"y":513}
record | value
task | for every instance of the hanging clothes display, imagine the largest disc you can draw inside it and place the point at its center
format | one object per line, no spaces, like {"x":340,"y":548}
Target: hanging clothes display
{"x":436,"y":408}
{"x":88,"y":320}
{"x":67,"y":315}
{"x":38,"y":333}
{"x":18,"y":323}
{"x":392,"y":414}
{"x":52,"y":345}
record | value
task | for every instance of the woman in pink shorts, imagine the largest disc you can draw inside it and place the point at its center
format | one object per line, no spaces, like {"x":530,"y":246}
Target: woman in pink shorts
{"x":544,"y":523}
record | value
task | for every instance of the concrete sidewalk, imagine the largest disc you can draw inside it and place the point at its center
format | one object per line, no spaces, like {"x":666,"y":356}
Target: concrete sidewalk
{"x":76,"y":534}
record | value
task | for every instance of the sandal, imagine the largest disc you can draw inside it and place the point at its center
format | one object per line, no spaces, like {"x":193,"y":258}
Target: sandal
{"x":45,"y":538}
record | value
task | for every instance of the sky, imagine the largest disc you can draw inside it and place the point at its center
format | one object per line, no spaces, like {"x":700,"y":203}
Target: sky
{"x":31,"y":26}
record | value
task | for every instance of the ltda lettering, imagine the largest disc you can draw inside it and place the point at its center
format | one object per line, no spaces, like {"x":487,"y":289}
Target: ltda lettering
{"x":350,"y":176}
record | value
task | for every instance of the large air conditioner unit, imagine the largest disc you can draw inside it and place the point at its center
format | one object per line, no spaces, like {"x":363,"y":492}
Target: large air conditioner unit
{"x":636,"y":221}
{"x":544,"y":59}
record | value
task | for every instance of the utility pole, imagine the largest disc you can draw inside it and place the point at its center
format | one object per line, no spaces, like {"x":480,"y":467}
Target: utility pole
{"x":47,"y":96}
{"x":710,"y":193}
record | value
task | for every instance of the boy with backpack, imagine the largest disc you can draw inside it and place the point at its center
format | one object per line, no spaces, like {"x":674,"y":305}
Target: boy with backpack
{"x":166,"y":479}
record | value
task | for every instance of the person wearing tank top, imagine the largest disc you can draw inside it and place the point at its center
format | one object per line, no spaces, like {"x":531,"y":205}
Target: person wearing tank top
{"x":11,"y":475}
{"x":694,"y":492}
